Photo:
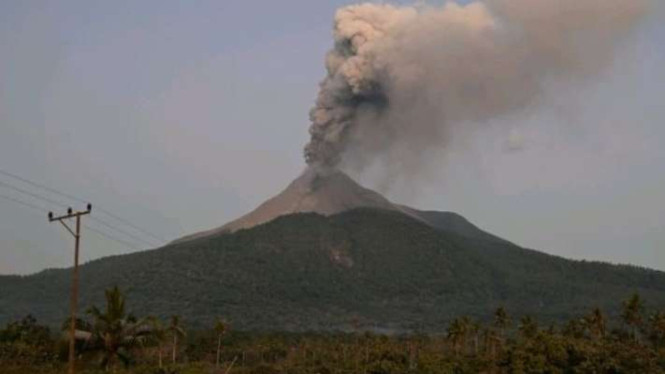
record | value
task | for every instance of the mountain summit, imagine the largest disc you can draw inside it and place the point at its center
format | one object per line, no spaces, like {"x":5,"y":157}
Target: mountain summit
{"x":323,"y":191}
{"x":328,"y":192}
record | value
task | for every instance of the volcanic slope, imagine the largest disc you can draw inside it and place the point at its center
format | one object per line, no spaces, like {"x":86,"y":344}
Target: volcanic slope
{"x":329,"y":192}
{"x":387,"y":270}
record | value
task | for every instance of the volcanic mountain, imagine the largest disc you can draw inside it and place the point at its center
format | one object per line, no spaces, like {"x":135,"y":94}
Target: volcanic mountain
{"x":328,"y":254}
{"x":330,"y":191}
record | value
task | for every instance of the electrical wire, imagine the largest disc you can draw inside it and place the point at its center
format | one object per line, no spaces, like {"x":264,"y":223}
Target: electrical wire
{"x":32,"y":195}
{"x":128,"y":223}
{"x":97,"y":231}
{"x":107,"y":236}
{"x":60,"y":204}
{"x":137,"y":238}
{"x":50,"y":201}
{"x":21,"y":202}
{"x":74,"y":198}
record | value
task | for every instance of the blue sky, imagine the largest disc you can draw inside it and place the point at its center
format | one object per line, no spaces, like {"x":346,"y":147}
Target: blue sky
{"x":181,"y":116}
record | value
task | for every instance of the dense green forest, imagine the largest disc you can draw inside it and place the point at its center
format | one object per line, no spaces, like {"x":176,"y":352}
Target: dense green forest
{"x":120,"y":342}
{"x":304,"y":272}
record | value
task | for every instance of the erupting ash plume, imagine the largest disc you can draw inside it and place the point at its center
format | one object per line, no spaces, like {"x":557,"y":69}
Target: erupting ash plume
{"x":400,"y":78}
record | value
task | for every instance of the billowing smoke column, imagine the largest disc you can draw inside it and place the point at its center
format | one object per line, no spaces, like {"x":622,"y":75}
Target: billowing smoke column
{"x":400,"y":78}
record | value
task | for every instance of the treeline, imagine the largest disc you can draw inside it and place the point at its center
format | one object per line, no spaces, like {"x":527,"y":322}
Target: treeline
{"x":110,"y":339}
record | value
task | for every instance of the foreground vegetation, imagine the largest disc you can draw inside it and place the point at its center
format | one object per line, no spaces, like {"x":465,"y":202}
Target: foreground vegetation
{"x":111,"y":339}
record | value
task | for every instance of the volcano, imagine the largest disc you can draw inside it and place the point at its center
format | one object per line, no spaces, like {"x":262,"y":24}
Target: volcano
{"x":330,"y":191}
{"x":326,"y":252}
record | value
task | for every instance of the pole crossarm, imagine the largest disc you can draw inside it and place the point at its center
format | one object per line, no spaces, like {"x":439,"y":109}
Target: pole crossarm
{"x":70,"y":214}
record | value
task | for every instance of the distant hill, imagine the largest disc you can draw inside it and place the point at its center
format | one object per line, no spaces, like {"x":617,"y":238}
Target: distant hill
{"x":388,"y":270}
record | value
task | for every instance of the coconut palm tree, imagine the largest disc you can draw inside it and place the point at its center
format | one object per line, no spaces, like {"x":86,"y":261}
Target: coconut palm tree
{"x":632,"y":314}
{"x":528,"y":327}
{"x":474,"y":329}
{"x":176,"y":330}
{"x":575,"y":328}
{"x":502,"y":323}
{"x":158,"y":334}
{"x":657,"y":322}
{"x":491,"y":340}
{"x":457,"y":333}
{"x":221,"y":327}
{"x":115,"y":333}
{"x":596,"y":323}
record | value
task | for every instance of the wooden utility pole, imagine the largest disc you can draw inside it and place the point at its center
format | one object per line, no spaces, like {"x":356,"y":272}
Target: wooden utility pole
{"x":75,"y":282}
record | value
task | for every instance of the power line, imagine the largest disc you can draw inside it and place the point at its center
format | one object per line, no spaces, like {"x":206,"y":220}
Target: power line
{"x":128,"y":223}
{"x":107,"y":236}
{"x":35,"y":184}
{"x":65,"y":206}
{"x":33,"y":195}
{"x":97,"y":231}
{"x":17,"y":201}
{"x":50,"y":201}
{"x":121,"y":231}
{"x":62,"y":194}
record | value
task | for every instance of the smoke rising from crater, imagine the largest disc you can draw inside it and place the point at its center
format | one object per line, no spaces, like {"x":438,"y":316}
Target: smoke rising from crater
{"x":401,"y":78}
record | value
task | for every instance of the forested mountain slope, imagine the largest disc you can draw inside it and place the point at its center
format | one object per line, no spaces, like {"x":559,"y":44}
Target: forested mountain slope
{"x":384,"y":269}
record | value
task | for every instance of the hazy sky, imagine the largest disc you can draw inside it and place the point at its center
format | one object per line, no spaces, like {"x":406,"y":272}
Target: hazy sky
{"x":181,"y":116}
